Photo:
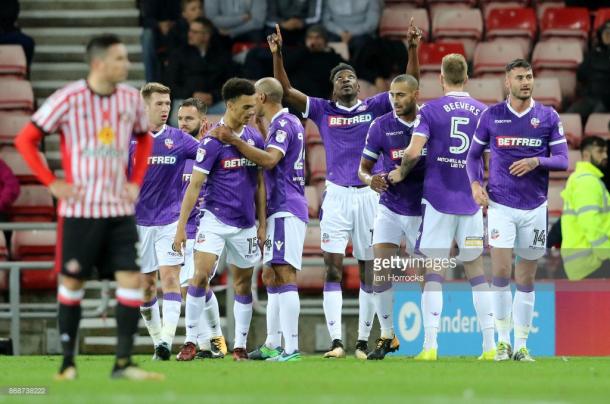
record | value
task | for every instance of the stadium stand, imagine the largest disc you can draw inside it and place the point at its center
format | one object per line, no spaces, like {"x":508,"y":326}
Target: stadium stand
{"x":490,"y":58}
{"x":12,"y":62}
{"x":10,"y":124}
{"x":16,"y":95}
{"x":35,"y":245}
{"x":462,"y":25}
{"x":597,"y":125}
{"x":514,"y":24}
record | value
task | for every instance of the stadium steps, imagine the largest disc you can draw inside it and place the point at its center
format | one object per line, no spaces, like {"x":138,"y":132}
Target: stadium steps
{"x":81,"y":17}
{"x":80,"y":35}
{"x":35,"y":5}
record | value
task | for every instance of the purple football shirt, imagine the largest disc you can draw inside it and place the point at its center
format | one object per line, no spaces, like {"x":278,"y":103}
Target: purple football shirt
{"x":343,"y":131}
{"x":285,"y":183}
{"x":387,"y":140}
{"x":449,"y":123}
{"x":193,"y":220}
{"x":511,"y":136}
{"x":161,"y":192}
{"x":232,"y":179}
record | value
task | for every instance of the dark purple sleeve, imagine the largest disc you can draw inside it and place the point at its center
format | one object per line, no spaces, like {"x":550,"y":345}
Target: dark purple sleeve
{"x":314,"y":109}
{"x":480,"y":142}
{"x":381,"y":102}
{"x":558,"y":161}
{"x":9,"y":187}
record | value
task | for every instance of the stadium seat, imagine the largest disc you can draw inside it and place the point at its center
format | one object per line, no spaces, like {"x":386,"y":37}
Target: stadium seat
{"x":351,"y":278}
{"x":313,"y":202}
{"x":572,"y":127}
{"x":487,"y":90}
{"x":312,"y":134}
{"x":35,"y":245}
{"x":437,"y":7}
{"x":496,"y":5}
{"x":3,"y":249}
{"x":567,"y":80}
{"x":312,"y":239}
{"x":429,"y":89}
{"x":514,"y":24}
{"x":597,"y":124}
{"x":10,"y":125}
{"x":18,"y":165}
{"x":567,"y":22}
{"x":548,"y":91}
{"x":557,"y":55}
{"x":311,"y":279}
{"x":395,"y":20}
{"x":543,"y":5}
{"x":34,"y":204}
{"x":490,"y":58}
{"x":463,"y":25}
{"x":601,"y":16}
{"x":431,"y":54}
{"x":555,"y":202}
{"x":317,"y":162}
{"x":12,"y":61}
{"x":340,"y":48}
{"x":16,"y":95}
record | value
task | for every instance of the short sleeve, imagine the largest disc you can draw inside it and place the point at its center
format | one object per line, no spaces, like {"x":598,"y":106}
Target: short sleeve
{"x":140,"y":126}
{"x":421,"y":126}
{"x":557,"y":134}
{"x":380,"y":103}
{"x":314,"y":109}
{"x":481,"y":133}
{"x":52,"y":113}
{"x":190,"y":147}
{"x":278,"y":139}
{"x":207,"y":154}
{"x":372,"y":147}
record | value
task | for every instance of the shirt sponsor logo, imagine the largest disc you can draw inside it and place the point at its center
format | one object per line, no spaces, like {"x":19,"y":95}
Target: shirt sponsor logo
{"x":186,"y":177}
{"x":237,"y":162}
{"x":397,"y":153}
{"x":338,"y":121}
{"x":161,"y":160}
{"x":511,"y":141}
{"x":280,"y":136}
{"x":169,"y":143}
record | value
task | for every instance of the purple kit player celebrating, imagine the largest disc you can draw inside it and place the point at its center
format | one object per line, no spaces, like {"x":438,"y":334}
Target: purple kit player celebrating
{"x":446,"y":126}
{"x":192,"y":120}
{"x":526,"y":141}
{"x":287,"y":217}
{"x":234,"y":196}
{"x":349,"y":205}
{"x":399,"y":211}
{"x":157,"y":216}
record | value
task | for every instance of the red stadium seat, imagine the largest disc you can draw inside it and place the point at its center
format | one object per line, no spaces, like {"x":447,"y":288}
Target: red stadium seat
{"x":555,"y":202}
{"x":597,"y":124}
{"x":557,"y":55}
{"x":429,"y":89}
{"x":567,"y":80}
{"x":16,"y":95}
{"x":35,"y":245}
{"x":313,"y":202}
{"x":10,"y":125}
{"x":34,"y":204}
{"x":463,"y":25}
{"x":437,"y":7}
{"x":514,"y":24}
{"x":395,"y":21}
{"x":572,"y":127}
{"x":311,"y":279}
{"x":431,"y":54}
{"x":487,"y":90}
{"x":543,"y":5}
{"x":317,"y":162}
{"x":351,"y":278}
{"x":496,"y":5}
{"x":548,"y":92}
{"x":312,"y":134}
{"x":601,"y":16}
{"x":12,"y":61}
{"x":490,"y":58}
{"x":565,"y":22}
{"x":18,"y":165}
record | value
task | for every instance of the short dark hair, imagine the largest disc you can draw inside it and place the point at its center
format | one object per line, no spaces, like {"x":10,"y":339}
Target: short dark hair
{"x":206,"y":22}
{"x":100,"y":44}
{"x":318,"y":29}
{"x":236,"y":87}
{"x":340,"y":67}
{"x":591,"y":141}
{"x":407,"y":78}
{"x":201,"y":106}
{"x":518,"y":63}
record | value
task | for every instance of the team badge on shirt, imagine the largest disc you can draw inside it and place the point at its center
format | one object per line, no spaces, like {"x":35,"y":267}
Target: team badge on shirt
{"x":200,"y":155}
{"x":169,"y":143}
{"x":250,"y":142}
{"x":535,"y":122}
{"x":106,"y":135}
{"x":280,"y":136}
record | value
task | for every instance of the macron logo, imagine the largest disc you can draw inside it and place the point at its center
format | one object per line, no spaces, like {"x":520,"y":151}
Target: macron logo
{"x":278,"y":245}
{"x":338,"y":121}
{"x":503,"y":121}
{"x":511,"y":141}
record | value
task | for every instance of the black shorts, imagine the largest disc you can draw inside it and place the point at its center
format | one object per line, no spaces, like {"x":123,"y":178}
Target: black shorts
{"x":88,"y":248}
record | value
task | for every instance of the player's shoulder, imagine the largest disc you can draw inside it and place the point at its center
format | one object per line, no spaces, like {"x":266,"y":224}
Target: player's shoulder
{"x":495,"y":109}
{"x":128,"y":89}
{"x":382,"y":120}
{"x":72,"y":88}
{"x":546,"y":110}
{"x":286,"y":121}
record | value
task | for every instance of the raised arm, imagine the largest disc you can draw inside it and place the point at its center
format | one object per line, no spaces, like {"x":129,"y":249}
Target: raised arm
{"x":294,"y":97}
{"x":413,"y":39}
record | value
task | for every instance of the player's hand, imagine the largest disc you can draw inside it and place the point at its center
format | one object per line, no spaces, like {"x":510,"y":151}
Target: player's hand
{"x":223,"y":133}
{"x":131,"y":192}
{"x":261,"y":234}
{"x":63,"y":190}
{"x":379,"y":183}
{"x":395,"y":176}
{"x":479,"y":194}
{"x":275,"y":40}
{"x":414,"y":35}
{"x":521,"y":167}
{"x":179,"y":241}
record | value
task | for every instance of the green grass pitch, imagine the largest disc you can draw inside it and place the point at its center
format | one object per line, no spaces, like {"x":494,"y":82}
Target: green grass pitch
{"x":317,"y":380}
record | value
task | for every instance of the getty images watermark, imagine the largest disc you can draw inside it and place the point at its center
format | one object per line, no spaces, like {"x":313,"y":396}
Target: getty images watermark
{"x":408,"y":269}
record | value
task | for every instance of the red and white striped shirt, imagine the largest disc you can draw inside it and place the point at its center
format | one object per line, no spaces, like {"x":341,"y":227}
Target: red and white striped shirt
{"x":95,"y":132}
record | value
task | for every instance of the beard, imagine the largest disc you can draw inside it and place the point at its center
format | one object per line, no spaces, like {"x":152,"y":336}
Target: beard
{"x":195,"y":132}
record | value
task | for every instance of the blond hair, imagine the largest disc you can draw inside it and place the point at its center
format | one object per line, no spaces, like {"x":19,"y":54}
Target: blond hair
{"x":151,"y":88}
{"x":454,"y":69}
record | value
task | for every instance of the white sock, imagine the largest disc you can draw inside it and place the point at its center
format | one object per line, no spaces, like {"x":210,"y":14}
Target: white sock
{"x":332,"y":303}
{"x":523,"y":312}
{"x":204,"y":332}
{"x":384,"y":307}
{"x":242,"y":312}
{"x":502,"y":307}
{"x":483,"y":302}
{"x":274,"y":332}
{"x":366,"y":312}
{"x":152,"y":319}
{"x":289,"y":307}
{"x":172,"y":305}
{"x":212,"y":313}
{"x":432,"y":307}
{"x":195,"y":300}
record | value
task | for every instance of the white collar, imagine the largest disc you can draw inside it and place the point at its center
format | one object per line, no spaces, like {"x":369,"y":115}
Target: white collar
{"x":457,"y":94}
{"x":155,"y":135}
{"x":407,"y":124}
{"x":222,"y":122}
{"x":517,"y":114}
{"x":280,"y":112}
{"x":348,"y":109}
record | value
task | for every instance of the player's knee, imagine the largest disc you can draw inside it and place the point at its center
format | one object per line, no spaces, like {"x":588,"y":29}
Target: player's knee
{"x":333,"y":273}
{"x":72,"y":283}
{"x":242,"y":288}
{"x":200,"y":280}
{"x":269,"y":277}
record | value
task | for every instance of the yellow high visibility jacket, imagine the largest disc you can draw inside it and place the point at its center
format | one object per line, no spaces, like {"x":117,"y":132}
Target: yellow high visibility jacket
{"x":585,"y":222}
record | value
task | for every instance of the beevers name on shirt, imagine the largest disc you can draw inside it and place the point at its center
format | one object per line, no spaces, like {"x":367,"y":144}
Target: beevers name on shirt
{"x":452,"y":106}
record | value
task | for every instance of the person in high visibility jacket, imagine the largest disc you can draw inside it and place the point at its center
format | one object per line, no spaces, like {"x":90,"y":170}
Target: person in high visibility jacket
{"x":585,"y":220}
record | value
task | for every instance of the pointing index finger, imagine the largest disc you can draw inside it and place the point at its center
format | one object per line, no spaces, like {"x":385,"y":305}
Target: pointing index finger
{"x":277,"y":29}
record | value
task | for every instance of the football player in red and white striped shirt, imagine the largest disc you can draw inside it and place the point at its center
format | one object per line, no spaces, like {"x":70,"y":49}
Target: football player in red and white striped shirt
{"x":96,"y":119}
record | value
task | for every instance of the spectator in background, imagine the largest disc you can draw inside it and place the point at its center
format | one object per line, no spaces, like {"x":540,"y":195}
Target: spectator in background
{"x":585,"y":220}
{"x":242,"y":20}
{"x":157,"y":19}
{"x":9,"y":190}
{"x":353,"y":22}
{"x":293,"y":16}
{"x":178,"y":34}
{"x":9,"y":30}
{"x":594,"y":74}
{"x":200,"y":68}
